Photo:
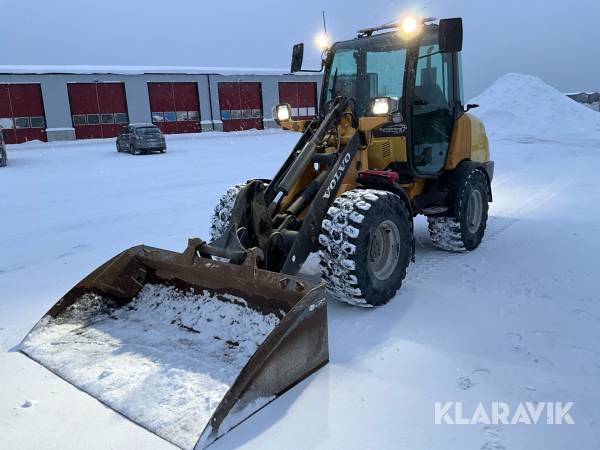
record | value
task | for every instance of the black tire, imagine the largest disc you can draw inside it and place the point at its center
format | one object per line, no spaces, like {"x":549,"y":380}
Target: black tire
{"x":466,"y":229}
{"x":348,"y":239}
{"x":132,"y":149}
{"x":222,"y":212}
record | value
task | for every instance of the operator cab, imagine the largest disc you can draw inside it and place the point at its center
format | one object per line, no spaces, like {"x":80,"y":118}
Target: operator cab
{"x":413,"y":77}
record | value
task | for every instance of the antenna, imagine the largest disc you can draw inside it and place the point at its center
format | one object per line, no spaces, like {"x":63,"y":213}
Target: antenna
{"x":324,"y":24}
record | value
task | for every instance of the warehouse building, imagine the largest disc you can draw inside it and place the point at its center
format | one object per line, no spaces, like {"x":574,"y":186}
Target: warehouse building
{"x":52,"y":103}
{"x":589,"y":99}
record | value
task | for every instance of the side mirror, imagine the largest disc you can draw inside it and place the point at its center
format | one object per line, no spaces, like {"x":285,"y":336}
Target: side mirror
{"x":471,"y":106}
{"x":282,"y":113}
{"x":451,"y":35}
{"x":297,"y":58}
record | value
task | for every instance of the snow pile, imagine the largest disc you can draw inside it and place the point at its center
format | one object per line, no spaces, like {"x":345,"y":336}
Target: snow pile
{"x":165,"y":360}
{"x":525,"y":105}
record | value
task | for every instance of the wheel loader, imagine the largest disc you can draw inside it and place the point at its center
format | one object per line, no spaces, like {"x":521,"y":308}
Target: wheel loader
{"x":190,"y":344}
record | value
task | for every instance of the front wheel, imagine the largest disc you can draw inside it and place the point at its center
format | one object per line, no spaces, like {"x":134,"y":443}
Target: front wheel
{"x":366,"y":246}
{"x":133,"y":150}
{"x":222,"y":211}
{"x":465,"y":230}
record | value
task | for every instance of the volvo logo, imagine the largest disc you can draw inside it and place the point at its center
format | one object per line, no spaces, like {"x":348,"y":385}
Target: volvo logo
{"x":338,"y":174}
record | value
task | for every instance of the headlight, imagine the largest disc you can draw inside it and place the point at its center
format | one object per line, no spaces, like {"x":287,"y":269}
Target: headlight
{"x":282,"y":112}
{"x":382,"y":106}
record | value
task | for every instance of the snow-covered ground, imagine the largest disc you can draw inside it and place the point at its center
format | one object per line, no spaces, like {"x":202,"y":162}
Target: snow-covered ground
{"x":516,"y":320}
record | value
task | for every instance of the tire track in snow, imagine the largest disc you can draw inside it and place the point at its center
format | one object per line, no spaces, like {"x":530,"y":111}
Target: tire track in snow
{"x":429,"y":259}
{"x":513,"y":215}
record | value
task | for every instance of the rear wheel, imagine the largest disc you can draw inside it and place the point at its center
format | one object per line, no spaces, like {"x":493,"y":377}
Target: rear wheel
{"x":366,"y":246}
{"x":465,"y":230}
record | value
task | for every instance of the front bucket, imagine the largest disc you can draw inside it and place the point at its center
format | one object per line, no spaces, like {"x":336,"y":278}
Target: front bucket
{"x":186,"y":347}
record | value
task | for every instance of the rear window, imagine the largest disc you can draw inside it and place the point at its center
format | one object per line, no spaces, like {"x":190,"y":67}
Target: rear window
{"x":148,"y":130}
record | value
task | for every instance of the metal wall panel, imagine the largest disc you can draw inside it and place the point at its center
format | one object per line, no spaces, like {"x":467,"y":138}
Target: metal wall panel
{"x":175,"y":106}
{"x":22,"y":112}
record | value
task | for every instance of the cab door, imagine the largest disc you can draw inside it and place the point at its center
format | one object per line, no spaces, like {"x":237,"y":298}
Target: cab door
{"x":433,"y":112}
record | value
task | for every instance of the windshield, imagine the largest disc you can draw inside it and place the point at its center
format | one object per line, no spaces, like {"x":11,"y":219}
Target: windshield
{"x":148,"y":130}
{"x":367,"y":68}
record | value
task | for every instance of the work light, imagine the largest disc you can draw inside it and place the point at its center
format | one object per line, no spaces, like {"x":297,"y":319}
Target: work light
{"x":322,"y":41}
{"x":381,"y":106}
{"x":282,"y":112}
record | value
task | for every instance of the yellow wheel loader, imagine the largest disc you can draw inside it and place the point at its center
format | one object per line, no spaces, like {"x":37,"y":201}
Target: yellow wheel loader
{"x":190,"y":344}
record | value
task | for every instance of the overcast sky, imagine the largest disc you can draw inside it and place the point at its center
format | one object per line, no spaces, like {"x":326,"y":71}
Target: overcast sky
{"x":555,"y":40}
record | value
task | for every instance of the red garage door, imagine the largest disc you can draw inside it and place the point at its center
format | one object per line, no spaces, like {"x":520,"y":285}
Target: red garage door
{"x":22,"y":113}
{"x":301,"y":96}
{"x":241,"y":106}
{"x":175,"y":107}
{"x":98,"y":110}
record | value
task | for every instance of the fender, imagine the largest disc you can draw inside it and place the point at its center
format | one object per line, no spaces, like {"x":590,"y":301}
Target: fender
{"x":454,"y":179}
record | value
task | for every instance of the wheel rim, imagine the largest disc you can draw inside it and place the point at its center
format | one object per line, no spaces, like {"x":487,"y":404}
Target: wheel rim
{"x":384,"y":250}
{"x":474,"y":211}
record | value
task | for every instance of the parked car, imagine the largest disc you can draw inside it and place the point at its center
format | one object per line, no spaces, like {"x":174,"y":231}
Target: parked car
{"x":3,"y":157}
{"x":139,"y":138}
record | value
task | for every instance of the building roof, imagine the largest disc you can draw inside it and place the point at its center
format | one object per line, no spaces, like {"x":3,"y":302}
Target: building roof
{"x":582,"y":93}
{"x":139,"y":70}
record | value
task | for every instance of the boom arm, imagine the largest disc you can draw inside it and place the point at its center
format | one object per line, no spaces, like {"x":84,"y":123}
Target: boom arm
{"x":286,"y":236}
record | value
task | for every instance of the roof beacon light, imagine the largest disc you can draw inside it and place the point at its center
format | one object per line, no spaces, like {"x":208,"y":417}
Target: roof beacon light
{"x":409,"y":25}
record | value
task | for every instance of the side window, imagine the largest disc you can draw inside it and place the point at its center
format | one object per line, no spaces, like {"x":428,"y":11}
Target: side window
{"x":432,"y":86}
{"x":433,"y":110}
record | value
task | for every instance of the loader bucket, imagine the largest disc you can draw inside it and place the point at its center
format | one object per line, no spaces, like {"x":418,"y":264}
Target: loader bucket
{"x":187,"y":347}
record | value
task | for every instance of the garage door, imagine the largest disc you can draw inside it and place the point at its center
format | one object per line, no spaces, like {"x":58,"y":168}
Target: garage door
{"x":301,"y":96}
{"x":98,"y":110}
{"x":22,"y":113}
{"x":241,"y":106}
{"x":175,"y":107}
